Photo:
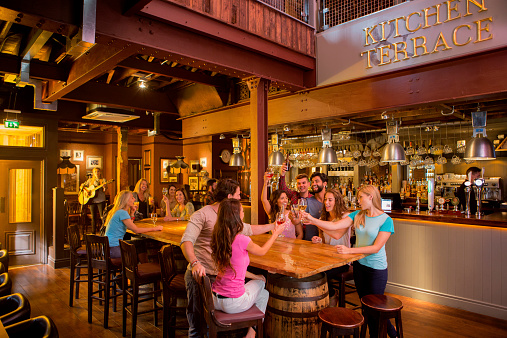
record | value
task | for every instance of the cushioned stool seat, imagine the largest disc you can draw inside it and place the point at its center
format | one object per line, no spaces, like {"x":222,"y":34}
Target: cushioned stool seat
{"x":4,"y":259}
{"x":38,"y":327}
{"x":14,"y":308}
{"x":5,"y":284}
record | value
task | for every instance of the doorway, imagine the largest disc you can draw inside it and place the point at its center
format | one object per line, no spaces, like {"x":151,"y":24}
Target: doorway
{"x":21,"y":210}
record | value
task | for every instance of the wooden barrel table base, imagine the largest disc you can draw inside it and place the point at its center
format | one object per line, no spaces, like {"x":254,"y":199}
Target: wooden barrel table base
{"x":294,"y":305}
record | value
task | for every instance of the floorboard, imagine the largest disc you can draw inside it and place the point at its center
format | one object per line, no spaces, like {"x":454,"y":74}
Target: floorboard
{"x":47,"y":290}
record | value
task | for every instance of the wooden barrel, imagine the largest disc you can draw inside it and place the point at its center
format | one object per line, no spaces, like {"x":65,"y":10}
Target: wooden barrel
{"x":294,"y":304}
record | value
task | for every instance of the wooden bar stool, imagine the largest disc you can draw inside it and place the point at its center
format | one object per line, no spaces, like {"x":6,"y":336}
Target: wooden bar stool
{"x":383,"y":308}
{"x":339,"y":321}
{"x":77,"y":262}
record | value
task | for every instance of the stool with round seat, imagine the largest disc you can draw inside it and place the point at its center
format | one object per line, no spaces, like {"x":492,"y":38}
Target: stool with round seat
{"x":4,"y":259}
{"x":339,"y":321}
{"x":5,"y":285}
{"x":14,"y":308}
{"x":382,"y":307}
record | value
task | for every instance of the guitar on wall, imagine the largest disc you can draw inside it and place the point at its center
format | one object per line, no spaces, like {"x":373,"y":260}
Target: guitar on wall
{"x":89,"y":192}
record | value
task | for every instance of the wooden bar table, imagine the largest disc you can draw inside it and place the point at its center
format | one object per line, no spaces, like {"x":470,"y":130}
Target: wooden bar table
{"x":296,"y":282}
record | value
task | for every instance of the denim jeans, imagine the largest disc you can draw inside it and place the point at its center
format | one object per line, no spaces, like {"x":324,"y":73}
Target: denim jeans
{"x":372,"y":282}
{"x":195,"y":314}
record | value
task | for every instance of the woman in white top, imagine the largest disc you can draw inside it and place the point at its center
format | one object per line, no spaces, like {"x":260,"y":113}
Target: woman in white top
{"x":334,"y":209}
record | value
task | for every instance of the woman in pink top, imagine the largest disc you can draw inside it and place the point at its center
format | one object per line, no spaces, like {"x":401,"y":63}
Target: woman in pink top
{"x":230,"y":253}
{"x":274,"y":205}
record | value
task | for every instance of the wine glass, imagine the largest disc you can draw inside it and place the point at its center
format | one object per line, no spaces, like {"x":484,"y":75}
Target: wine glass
{"x":164,"y":191}
{"x":302,"y":203}
{"x":270,"y":173}
{"x":280,"y":219}
{"x":154,"y":218}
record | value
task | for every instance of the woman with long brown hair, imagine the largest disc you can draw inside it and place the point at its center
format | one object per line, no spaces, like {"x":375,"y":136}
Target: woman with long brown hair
{"x":373,"y":228}
{"x":183,"y":209}
{"x":230,"y":251}
{"x":334,"y":209}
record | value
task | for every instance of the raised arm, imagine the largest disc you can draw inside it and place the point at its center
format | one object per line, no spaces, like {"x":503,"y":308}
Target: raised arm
{"x":261,"y":250}
{"x":261,"y":228}
{"x":327,"y":225}
{"x":264,"y":196}
{"x":380,"y":241}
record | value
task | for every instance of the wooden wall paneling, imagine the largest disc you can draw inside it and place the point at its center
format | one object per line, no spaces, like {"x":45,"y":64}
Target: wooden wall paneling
{"x":497,"y":261}
{"x":242,"y":14}
{"x":487,"y":265}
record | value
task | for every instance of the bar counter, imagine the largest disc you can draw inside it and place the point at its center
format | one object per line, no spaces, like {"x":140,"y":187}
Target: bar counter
{"x":497,"y":219}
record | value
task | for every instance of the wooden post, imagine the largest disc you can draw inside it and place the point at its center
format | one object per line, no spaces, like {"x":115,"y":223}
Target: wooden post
{"x":259,"y":143}
{"x":122,"y":172}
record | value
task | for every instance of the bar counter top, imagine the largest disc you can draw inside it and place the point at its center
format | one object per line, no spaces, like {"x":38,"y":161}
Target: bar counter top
{"x":497,"y":219}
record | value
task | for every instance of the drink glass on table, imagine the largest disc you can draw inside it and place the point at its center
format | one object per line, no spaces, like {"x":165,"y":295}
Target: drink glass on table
{"x":154,"y":218}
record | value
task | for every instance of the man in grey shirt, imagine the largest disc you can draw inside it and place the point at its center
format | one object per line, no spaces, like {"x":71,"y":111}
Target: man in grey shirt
{"x":195,"y":244}
{"x":315,"y":203}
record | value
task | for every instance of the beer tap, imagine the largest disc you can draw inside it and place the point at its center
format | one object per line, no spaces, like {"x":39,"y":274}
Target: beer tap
{"x":468,"y":189}
{"x":479,"y":183}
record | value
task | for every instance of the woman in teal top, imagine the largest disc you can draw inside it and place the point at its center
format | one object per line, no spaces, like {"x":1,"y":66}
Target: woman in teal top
{"x":373,"y":228}
{"x":120,"y":218}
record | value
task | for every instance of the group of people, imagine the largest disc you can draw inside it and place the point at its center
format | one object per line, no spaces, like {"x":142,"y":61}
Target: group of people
{"x":216,"y":241}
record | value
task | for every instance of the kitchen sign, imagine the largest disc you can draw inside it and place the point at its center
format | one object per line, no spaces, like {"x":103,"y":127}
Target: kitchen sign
{"x":409,"y":34}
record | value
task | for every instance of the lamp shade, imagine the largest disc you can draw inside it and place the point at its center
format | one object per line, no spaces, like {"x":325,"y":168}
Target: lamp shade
{"x":237,"y":160}
{"x":65,"y":167}
{"x":276,"y":158}
{"x":327,"y":156}
{"x":179,"y":163}
{"x":393,"y":152}
{"x":480,"y":148}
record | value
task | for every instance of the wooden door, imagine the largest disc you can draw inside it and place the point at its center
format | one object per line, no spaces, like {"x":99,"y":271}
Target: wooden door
{"x":20,"y":210}
{"x":134,"y":171}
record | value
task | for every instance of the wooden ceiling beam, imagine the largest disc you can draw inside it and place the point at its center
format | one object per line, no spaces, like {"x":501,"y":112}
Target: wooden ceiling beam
{"x":98,"y":60}
{"x":175,"y":72}
{"x":123,"y":97}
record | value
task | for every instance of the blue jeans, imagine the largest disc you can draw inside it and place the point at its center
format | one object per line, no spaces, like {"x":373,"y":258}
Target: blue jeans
{"x":195,"y":314}
{"x":371,"y":281}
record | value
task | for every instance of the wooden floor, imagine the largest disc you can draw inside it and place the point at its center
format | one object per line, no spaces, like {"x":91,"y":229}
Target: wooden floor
{"x":47,"y":291}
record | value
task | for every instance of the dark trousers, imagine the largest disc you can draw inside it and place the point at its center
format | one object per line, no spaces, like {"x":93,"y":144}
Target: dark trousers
{"x":93,"y":208}
{"x":372,"y":282}
{"x":195,"y":315}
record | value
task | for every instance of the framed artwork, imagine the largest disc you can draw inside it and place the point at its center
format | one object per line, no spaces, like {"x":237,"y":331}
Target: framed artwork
{"x":78,"y":155}
{"x":203,"y":162}
{"x":93,"y":162}
{"x":193,"y":182}
{"x":147,"y":174}
{"x":173,"y":178}
{"x":147,"y":158}
{"x":164,"y":175}
{"x":65,"y":152}
{"x":70,"y":182}
{"x":194,"y":166}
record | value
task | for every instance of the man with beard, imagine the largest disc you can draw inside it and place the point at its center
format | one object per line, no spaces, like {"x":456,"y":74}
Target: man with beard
{"x":315,"y":203}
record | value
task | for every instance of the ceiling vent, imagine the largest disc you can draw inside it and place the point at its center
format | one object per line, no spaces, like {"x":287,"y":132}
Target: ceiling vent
{"x":103,"y":113}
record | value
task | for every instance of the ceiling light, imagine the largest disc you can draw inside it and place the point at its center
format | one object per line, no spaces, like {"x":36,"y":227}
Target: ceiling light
{"x":393,"y":151}
{"x":237,"y":159}
{"x":276,"y":158}
{"x":479,"y":147}
{"x":142,"y":84}
{"x":327,"y":155}
{"x":222,"y":137}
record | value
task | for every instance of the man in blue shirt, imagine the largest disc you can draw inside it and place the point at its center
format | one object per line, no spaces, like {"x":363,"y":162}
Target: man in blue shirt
{"x":315,"y":203}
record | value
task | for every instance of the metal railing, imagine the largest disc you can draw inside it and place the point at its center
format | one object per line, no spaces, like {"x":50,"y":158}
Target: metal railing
{"x":298,"y":9}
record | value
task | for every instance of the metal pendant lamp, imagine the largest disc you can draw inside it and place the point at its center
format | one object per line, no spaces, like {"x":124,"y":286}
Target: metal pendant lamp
{"x":66,"y":167}
{"x":327,"y":155}
{"x":393,"y":152}
{"x":276,"y":158}
{"x":237,"y":159}
{"x":479,"y":147}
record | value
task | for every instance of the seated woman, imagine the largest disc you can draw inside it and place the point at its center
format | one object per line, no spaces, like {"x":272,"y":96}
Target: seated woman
{"x":183,"y":209}
{"x":120,"y":218}
{"x":272,"y":207}
{"x":230,"y":251}
{"x":143,"y":197}
{"x":334,"y":209}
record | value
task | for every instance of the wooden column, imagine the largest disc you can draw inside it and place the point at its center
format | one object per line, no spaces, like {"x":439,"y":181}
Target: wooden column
{"x":122,"y":178}
{"x":259,"y":143}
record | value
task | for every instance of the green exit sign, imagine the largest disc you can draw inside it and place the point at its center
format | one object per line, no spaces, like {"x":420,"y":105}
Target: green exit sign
{"x":11,"y":124}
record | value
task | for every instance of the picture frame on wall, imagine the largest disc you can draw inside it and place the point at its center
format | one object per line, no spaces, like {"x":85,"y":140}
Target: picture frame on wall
{"x":65,"y":152}
{"x":164,"y":175}
{"x":70,"y":182}
{"x":174,"y":178}
{"x":193,"y":182}
{"x":93,"y":162}
{"x":78,"y":155}
{"x":147,"y":158}
{"x":194,"y":166}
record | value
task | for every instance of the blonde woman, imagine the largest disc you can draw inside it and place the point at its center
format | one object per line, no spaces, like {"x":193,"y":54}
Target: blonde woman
{"x":373,"y":228}
{"x":120,"y":218}
{"x":142,"y":195}
{"x":183,"y":210}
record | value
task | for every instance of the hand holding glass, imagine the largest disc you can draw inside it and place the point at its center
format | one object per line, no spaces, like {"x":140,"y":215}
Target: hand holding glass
{"x":280,"y":219}
{"x":164,"y":191}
